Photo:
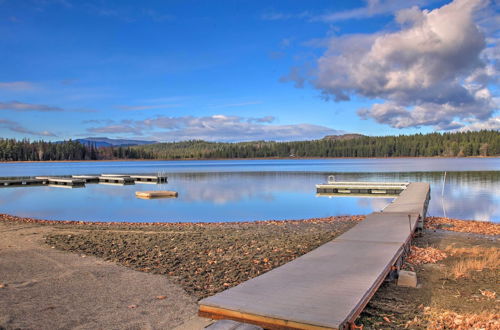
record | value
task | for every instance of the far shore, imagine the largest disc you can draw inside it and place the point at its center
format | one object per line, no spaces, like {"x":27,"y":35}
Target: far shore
{"x":218,"y":159}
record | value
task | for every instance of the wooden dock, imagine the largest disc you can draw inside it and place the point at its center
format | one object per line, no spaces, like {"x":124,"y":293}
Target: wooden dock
{"x":116,"y":179}
{"x":87,"y":178}
{"x":61,"y":181}
{"x":361,"y":188}
{"x":149,"y":178}
{"x":156,"y":194}
{"x":328,"y":287}
{"x":81,"y":180}
{"x":22,"y":182}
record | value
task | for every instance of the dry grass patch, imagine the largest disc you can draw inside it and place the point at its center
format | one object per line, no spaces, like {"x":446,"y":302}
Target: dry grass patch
{"x":444,"y":319}
{"x":464,"y":226}
{"x":475,"y":258}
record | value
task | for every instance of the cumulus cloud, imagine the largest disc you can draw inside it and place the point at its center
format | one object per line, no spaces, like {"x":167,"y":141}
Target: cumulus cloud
{"x":436,"y":70}
{"x":20,"y":106}
{"x":16,"y":127}
{"x":215,"y":128}
{"x":490,"y":124}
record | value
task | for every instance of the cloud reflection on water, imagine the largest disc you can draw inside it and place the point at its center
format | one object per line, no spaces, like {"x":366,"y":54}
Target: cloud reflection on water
{"x":251,"y":196}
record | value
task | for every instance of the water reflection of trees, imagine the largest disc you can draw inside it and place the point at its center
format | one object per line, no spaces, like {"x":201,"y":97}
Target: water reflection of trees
{"x":467,"y":195}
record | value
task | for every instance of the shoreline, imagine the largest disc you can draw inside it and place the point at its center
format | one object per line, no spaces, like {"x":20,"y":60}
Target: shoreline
{"x":219,"y":159}
{"x":15,"y":218}
{"x":432,"y":222}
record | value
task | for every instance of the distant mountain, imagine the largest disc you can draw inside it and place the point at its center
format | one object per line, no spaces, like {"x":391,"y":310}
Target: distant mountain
{"x":107,"y":142}
{"x":343,"y":137}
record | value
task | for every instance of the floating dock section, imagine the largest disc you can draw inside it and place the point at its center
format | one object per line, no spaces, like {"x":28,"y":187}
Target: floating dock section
{"x":156,"y":194}
{"x":328,"y":287}
{"x":61,"y":181}
{"x":149,"y":178}
{"x":87,"y":178}
{"x":116,"y":179}
{"x":81,"y":180}
{"x":22,"y":182}
{"x":360,"y":188}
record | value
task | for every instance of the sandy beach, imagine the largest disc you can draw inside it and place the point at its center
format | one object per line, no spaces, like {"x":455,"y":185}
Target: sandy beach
{"x":43,"y":288}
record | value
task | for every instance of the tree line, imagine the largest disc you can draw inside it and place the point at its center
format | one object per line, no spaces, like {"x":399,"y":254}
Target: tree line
{"x":460,"y":144}
{"x":26,"y":150}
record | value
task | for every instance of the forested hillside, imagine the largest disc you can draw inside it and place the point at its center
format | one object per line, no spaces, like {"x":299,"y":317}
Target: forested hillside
{"x":483,"y":143}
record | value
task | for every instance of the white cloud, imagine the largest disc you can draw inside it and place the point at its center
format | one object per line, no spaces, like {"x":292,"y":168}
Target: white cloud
{"x":436,"y":70}
{"x":17,"y":86}
{"x":21,"y":106}
{"x":16,"y":127}
{"x":215,"y":128}
{"x":372,"y":8}
{"x":490,"y":124}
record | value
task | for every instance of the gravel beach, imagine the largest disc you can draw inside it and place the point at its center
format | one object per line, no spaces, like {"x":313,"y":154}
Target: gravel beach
{"x":45,"y":288}
{"x":64,"y":274}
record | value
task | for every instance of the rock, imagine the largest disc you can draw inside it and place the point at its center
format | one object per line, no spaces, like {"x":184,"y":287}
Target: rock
{"x":407,"y":279}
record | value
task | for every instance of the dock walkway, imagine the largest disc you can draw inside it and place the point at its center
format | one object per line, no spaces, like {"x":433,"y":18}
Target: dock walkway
{"x":328,"y":287}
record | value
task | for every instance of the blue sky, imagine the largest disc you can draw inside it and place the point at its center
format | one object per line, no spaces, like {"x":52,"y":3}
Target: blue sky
{"x":246,"y":70}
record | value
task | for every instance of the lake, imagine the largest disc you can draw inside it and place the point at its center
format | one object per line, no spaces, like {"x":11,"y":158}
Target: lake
{"x":249,"y":190}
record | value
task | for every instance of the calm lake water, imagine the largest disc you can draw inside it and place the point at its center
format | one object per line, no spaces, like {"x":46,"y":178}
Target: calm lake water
{"x":236,"y":190}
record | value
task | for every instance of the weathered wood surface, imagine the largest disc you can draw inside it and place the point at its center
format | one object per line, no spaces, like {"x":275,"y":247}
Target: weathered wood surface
{"x":329,"y":286}
{"x":156,"y":194}
{"x":410,"y":200}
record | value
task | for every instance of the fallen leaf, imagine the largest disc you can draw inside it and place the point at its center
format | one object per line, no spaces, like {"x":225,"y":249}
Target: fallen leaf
{"x":488,"y":293}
